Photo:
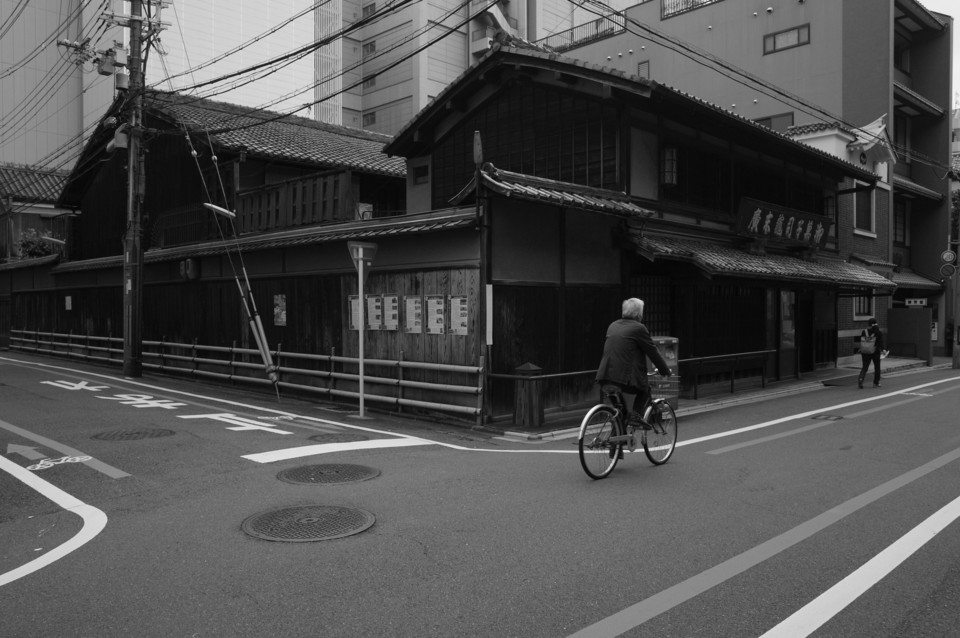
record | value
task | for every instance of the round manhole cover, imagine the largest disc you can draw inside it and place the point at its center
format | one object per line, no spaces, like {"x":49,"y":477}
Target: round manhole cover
{"x":308,"y":523}
{"x":132,"y":435}
{"x":338,"y":437}
{"x":328,"y":473}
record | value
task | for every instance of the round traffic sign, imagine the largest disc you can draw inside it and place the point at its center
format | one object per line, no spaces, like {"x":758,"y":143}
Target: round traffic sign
{"x":948,"y":256}
{"x":947,"y":270}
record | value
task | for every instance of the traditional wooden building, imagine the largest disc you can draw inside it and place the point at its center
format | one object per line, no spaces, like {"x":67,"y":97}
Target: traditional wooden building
{"x":596,"y":185}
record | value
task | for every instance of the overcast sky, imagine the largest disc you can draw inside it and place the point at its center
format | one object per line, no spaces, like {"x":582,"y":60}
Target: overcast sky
{"x":952,"y":9}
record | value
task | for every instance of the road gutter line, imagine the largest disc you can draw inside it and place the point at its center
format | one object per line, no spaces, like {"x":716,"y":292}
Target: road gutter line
{"x":816,"y":613}
{"x":94,"y":520}
{"x":639,"y":613}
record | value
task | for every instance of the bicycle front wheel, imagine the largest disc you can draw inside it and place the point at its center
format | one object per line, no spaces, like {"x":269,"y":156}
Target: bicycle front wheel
{"x":598,"y":455}
{"x":661,"y":439}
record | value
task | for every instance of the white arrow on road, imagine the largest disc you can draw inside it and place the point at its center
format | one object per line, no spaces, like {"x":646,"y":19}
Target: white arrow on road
{"x":27,"y":452}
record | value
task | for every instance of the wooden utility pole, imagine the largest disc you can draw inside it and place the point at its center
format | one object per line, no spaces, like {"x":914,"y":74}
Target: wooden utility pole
{"x":133,"y":244}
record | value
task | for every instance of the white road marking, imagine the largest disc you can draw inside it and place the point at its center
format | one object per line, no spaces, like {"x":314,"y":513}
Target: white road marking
{"x":817,"y":612}
{"x":326,"y":448}
{"x":93,"y":520}
{"x":639,"y":613}
{"x":804,"y":415}
{"x":93,"y":463}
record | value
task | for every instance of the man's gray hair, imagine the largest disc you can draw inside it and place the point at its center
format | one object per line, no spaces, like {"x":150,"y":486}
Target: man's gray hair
{"x":632,"y":309}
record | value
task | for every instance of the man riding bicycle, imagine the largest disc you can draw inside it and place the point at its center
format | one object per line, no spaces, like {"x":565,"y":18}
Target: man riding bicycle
{"x":625,"y":351}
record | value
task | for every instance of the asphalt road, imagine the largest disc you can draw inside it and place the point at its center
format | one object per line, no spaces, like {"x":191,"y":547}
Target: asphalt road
{"x":827,"y":513}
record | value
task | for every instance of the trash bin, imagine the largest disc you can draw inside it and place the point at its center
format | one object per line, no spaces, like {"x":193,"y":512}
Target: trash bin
{"x":528,"y":397}
{"x":668,"y":389}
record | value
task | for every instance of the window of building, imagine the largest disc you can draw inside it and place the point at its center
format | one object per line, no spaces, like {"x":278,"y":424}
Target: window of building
{"x":643,"y":69}
{"x":901,"y":223}
{"x":788,"y":39}
{"x":901,"y":137}
{"x":421,"y":174}
{"x":901,"y":56}
{"x":863,"y":208}
{"x":830,"y":212}
{"x":369,"y":119}
{"x":370,"y":82}
{"x":777,"y":122}
{"x":369,"y":9}
{"x":669,"y":166}
{"x":369,"y":48}
{"x":862,"y":307}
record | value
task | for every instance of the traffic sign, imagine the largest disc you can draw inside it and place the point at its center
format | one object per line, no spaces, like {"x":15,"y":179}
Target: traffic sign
{"x":947,"y":270}
{"x":948,"y":256}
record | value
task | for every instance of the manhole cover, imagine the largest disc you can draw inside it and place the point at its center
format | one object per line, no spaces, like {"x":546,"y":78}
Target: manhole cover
{"x":309,"y":523}
{"x":132,"y":435}
{"x":338,"y":437}
{"x":328,"y":473}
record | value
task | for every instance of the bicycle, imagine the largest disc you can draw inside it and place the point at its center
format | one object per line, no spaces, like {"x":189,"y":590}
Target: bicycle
{"x":605,"y":431}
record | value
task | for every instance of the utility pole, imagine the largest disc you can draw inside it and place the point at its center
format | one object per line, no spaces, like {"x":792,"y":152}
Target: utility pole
{"x":133,"y":244}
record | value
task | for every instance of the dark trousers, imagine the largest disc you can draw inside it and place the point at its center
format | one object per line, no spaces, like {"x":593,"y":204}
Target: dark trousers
{"x":867,"y":358}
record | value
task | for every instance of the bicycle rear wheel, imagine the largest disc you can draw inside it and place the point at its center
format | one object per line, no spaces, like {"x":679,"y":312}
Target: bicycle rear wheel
{"x":598,"y":455}
{"x":659,"y":442}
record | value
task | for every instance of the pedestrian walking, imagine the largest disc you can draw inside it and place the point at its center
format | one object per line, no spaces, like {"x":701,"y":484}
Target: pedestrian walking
{"x":871,"y":349}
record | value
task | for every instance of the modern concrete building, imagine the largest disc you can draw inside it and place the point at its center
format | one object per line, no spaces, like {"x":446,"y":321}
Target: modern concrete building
{"x":795,"y":63}
{"x":356,"y":63}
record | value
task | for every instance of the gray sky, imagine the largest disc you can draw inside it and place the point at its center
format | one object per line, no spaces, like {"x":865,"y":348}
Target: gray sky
{"x":952,"y":9}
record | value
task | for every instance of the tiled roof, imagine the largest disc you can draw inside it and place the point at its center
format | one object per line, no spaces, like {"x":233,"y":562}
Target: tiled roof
{"x":906,"y":278}
{"x":716,"y":259}
{"x":871,"y":260}
{"x":624,"y":81}
{"x":816,"y":127}
{"x":31,"y":184}
{"x":548,"y":191}
{"x":271,"y":135}
{"x":365,"y":230}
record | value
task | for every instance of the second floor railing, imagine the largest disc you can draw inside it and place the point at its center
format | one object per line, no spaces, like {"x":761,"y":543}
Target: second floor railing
{"x":585,"y":33}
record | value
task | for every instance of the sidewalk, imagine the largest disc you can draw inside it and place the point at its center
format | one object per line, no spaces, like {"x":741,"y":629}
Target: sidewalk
{"x":565,"y":425}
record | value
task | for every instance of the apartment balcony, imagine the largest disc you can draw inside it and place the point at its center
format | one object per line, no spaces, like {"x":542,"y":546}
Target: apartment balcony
{"x":912,"y":104}
{"x":585,"y":33}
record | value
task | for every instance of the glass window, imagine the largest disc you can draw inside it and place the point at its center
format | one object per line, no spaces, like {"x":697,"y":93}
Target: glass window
{"x":787,"y":39}
{"x":901,"y":232}
{"x":369,"y":48}
{"x":777,"y":122}
{"x":862,"y":307}
{"x":369,"y":9}
{"x":863,"y":208}
{"x":369,"y":118}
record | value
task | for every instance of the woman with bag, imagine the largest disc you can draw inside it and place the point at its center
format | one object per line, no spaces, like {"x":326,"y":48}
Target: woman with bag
{"x":871,"y":349}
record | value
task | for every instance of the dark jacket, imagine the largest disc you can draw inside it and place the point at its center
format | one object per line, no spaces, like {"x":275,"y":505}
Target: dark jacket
{"x":625,"y":352}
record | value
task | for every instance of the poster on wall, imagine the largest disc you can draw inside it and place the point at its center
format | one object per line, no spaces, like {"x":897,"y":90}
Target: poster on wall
{"x":374,"y":312}
{"x":279,"y":310}
{"x":391,"y":312}
{"x":459,"y":316}
{"x":354,"y":302}
{"x":413,"y":314}
{"x":436,"y":321}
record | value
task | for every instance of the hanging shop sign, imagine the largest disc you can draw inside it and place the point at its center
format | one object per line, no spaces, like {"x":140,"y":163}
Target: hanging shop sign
{"x":782,"y":225}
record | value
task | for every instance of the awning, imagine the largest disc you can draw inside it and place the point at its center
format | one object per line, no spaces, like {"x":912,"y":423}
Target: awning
{"x":906,"y":278}
{"x":727,"y":261}
{"x":912,"y":189}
